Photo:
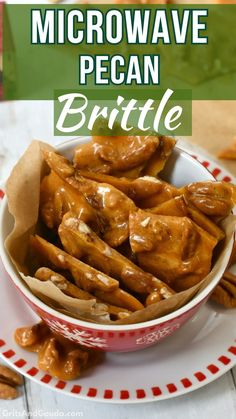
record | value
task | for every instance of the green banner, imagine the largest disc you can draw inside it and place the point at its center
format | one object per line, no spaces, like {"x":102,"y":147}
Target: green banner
{"x":110,"y":52}
{"x":209,"y":70}
{"x":166,"y":113}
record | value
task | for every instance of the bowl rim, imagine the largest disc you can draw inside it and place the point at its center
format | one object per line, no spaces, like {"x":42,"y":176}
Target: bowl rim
{"x":11,"y":270}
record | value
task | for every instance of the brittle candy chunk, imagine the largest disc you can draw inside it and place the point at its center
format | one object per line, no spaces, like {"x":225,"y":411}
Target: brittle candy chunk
{"x":58,"y":356}
{"x":68,"y":288}
{"x":77,"y":238}
{"x":115,"y":155}
{"x":30,"y":337}
{"x":123,"y":184}
{"x":56,"y":161}
{"x":57,"y":197}
{"x":154,"y":297}
{"x":84,"y":275}
{"x":205,"y":222}
{"x":179,"y":208}
{"x":75,"y":362}
{"x":145,"y":191}
{"x":175,"y":207}
{"x":165,"y":193}
{"x":160,"y":157}
{"x":212,"y":198}
{"x":112,"y":205}
{"x":171,"y":248}
{"x":59,"y":164}
{"x":225,"y":291}
{"x":120,"y":298}
{"x":48,"y":356}
{"x":61,"y":362}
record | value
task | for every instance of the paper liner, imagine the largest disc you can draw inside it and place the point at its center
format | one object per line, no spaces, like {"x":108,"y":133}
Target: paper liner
{"x":47,"y":290}
{"x":22,"y":190}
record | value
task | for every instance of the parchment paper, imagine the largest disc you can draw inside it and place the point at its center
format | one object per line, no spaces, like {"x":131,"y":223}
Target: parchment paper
{"x":22,"y":191}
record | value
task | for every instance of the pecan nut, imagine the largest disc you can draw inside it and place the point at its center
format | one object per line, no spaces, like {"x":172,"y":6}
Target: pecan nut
{"x":10,"y":377}
{"x":8,"y":392}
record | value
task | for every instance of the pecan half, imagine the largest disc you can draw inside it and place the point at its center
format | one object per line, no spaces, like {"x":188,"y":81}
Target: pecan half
{"x":225,"y":291}
{"x":7,"y":392}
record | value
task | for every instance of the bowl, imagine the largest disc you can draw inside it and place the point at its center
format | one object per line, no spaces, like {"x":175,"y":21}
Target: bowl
{"x":180,"y":169}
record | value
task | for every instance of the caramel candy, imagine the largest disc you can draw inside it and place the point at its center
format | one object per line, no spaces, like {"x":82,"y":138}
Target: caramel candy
{"x":179,"y":208}
{"x":78,"y":239}
{"x":57,"y":197}
{"x":46,"y":274}
{"x":57,"y":356}
{"x":85,"y":277}
{"x":116,"y":155}
{"x":145,"y":191}
{"x":160,"y":157}
{"x":111,"y":205}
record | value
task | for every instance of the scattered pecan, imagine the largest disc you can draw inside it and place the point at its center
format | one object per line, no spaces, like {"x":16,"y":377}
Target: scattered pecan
{"x":57,"y":356}
{"x":9,"y":380}
{"x":225,"y":291}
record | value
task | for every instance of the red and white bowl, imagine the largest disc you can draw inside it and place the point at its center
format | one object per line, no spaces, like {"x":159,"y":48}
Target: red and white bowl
{"x":181,"y":169}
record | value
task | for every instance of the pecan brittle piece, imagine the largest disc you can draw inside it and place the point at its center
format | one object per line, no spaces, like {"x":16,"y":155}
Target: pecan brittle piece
{"x":89,"y":279}
{"x":68,"y":288}
{"x":112,"y":205}
{"x":145,"y":191}
{"x":57,"y":197}
{"x":57,"y":356}
{"x":116,"y":155}
{"x":179,"y":208}
{"x":159,"y":158}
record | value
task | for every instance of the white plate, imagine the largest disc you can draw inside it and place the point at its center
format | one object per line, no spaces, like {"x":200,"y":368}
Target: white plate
{"x":198,"y":353}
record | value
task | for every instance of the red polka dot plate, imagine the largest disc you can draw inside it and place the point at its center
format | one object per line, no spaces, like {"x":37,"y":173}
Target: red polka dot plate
{"x":198,"y":353}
